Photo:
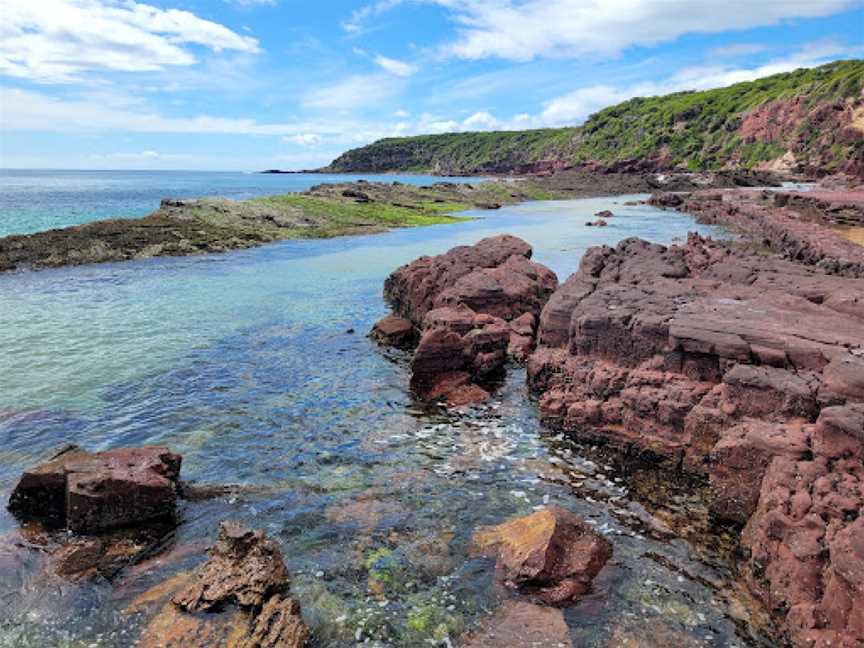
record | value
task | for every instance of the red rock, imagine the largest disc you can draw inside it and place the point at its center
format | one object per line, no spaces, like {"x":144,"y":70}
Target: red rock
{"x":839,"y":432}
{"x":238,"y":598}
{"x":91,"y":492}
{"x":739,"y":460}
{"x":494,"y":276}
{"x":245,"y":567}
{"x":553,"y":555}
{"x":394,"y":331}
{"x":806,"y":549}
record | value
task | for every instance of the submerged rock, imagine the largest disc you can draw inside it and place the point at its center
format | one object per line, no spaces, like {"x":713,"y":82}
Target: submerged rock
{"x":522,"y":624}
{"x":90,"y":492}
{"x":552,"y":555}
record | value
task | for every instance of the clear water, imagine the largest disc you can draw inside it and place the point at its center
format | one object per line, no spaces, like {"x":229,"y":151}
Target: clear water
{"x":33,"y":201}
{"x":244,"y":364}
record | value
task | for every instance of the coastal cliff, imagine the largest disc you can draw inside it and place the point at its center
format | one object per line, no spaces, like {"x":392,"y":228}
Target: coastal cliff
{"x":808,"y":121}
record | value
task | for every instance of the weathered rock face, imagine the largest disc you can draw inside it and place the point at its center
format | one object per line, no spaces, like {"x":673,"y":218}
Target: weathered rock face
{"x":800,"y":226}
{"x":93,"y":492}
{"x":237,"y":599}
{"x":806,"y":543}
{"x":245,"y":568}
{"x":661,"y":349}
{"x":473,"y":306}
{"x":744,"y":368}
{"x":552,"y":555}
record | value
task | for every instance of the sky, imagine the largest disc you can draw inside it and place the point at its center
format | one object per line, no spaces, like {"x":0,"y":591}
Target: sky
{"x":247,"y":85}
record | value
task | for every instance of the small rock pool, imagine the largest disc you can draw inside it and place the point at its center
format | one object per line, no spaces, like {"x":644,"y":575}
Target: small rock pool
{"x":254,"y":366}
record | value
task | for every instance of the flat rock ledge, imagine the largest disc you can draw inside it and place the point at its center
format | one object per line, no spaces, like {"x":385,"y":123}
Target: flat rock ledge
{"x":802,"y":226}
{"x":742,"y":368}
{"x":470,"y":309}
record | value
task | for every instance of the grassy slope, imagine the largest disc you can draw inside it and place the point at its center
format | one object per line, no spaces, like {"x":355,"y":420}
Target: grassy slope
{"x":696,"y":130}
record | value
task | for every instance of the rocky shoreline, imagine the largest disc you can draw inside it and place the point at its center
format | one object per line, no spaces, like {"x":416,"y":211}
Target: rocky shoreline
{"x":716,"y":359}
{"x":213,"y":225}
{"x":736,"y":364}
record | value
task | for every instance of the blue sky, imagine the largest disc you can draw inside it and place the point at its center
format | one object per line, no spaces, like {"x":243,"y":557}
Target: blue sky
{"x":254,"y":84}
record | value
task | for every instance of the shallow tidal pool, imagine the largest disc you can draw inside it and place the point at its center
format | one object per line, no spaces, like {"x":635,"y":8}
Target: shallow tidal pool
{"x":255,"y":366}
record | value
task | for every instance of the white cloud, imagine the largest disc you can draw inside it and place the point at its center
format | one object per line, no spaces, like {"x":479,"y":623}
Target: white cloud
{"x":524,"y":29}
{"x":401,"y":114}
{"x":303,"y":139}
{"x":152,"y":155}
{"x":736,"y":49}
{"x":61,"y":40}
{"x":358,"y":91}
{"x":355,"y":23}
{"x":481,"y":121}
{"x":399,"y":68}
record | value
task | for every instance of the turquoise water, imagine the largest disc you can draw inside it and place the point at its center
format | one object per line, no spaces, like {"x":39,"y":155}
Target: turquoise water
{"x":33,"y":201}
{"x":255,"y":366}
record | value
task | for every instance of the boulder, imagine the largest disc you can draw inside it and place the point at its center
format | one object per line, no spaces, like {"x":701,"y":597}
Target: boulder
{"x":395,"y":331}
{"x":552,"y":555}
{"x":494,"y":276}
{"x":90,"y":492}
{"x":245,"y":567}
{"x":239,"y":597}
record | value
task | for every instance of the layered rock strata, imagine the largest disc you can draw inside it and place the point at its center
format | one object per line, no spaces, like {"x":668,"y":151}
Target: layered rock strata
{"x":469,"y":308}
{"x":745,"y":368}
{"x":802,"y":226}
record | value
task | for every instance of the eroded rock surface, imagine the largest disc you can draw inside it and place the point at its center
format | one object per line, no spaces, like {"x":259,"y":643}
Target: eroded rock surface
{"x":745,"y":368}
{"x":237,"y":599}
{"x":552,"y":555}
{"x":523,"y":624}
{"x":802,"y":226}
{"x":472,"y":306}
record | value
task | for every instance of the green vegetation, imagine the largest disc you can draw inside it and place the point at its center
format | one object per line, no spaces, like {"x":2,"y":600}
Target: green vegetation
{"x":688,"y":130}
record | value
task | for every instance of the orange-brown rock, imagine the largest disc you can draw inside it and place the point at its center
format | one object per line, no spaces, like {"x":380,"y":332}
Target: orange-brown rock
{"x":245,"y":567}
{"x":237,"y":599}
{"x":552,"y":555}
{"x":395,"y":331}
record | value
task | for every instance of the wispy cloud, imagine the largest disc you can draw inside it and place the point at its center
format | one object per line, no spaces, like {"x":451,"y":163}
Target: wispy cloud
{"x":357,"y":91}
{"x":399,"y":68}
{"x":59,"y":41}
{"x":523,"y":30}
{"x":359,"y":18}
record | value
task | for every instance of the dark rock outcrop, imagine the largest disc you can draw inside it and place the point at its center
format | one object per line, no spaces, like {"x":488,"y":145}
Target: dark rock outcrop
{"x":552,"y":555}
{"x":89,"y":492}
{"x":472,"y":305}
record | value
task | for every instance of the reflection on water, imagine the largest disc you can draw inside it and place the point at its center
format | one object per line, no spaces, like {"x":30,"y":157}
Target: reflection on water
{"x":244,"y":364}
